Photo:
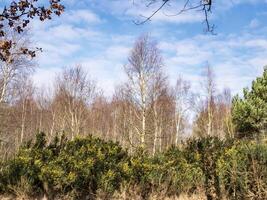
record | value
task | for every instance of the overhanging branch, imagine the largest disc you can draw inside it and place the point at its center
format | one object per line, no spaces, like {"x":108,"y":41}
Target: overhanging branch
{"x":203,"y":5}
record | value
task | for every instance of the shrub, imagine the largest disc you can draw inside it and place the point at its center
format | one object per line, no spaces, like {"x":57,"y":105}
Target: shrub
{"x":243,"y":170}
{"x":3,"y":178}
{"x":77,"y":168}
{"x":185,"y":176}
{"x":204,"y":153}
{"x":169,"y":173}
{"x":85,"y":167}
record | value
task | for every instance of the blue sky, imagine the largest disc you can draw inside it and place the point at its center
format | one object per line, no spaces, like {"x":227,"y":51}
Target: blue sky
{"x":98,"y":34}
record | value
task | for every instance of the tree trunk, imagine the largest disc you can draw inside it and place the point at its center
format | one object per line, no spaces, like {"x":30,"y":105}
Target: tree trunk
{"x":23,"y":118}
{"x":178,"y":127}
{"x":155,"y":128}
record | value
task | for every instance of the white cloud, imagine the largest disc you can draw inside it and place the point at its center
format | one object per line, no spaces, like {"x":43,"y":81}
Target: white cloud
{"x":257,"y":43}
{"x":105,"y":67}
{"x":105,"y":72}
{"x":138,"y":11}
{"x":54,"y":55}
{"x":237,"y":59}
{"x":140,"y":14}
{"x":44,"y":77}
{"x":254,"y":24}
{"x":224,"y":5}
{"x":82,"y":15}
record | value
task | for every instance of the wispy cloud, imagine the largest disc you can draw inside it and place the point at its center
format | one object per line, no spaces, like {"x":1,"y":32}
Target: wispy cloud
{"x":82,"y":16}
{"x":100,"y":34}
{"x":237,"y":59}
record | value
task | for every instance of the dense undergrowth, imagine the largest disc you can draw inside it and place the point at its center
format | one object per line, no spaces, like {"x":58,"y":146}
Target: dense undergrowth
{"x":86,"y":168}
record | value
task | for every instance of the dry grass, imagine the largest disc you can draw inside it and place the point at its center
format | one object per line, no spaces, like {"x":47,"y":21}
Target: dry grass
{"x":122,"y":196}
{"x":132,"y":194}
{"x":181,"y":197}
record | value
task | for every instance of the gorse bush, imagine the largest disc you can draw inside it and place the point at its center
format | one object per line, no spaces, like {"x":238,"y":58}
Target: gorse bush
{"x":183,"y":175}
{"x":204,"y":153}
{"x":243,"y":170}
{"x":77,"y":168}
{"x":169,"y":173}
{"x":3,"y":179}
{"x":83,"y":168}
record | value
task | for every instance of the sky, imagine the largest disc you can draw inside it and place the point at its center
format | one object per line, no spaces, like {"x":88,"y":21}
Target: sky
{"x":98,"y":34}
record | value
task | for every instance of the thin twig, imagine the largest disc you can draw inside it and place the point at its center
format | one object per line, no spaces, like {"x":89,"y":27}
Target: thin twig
{"x":154,"y":13}
{"x":205,"y":7}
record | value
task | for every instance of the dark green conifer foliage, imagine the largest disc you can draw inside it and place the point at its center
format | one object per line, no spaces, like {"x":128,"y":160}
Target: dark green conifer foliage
{"x":250,"y":113}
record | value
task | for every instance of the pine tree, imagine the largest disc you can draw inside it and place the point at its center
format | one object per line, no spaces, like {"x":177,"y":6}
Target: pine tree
{"x":250,"y":112}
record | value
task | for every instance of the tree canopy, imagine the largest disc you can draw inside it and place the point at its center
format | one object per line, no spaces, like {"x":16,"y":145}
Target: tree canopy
{"x":250,"y":113}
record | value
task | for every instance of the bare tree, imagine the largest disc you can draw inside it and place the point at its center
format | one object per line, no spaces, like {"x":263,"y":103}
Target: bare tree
{"x":182,"y":105}
{"x":101,"y":120}
{"x":125,"y":122}
{"x":214,"y":109}
{"x":205,"y":105}
{"x":47,"y":112}
{"x":159,"y":87}
{"x":209,"y":92}
{"x":16,"y":67}
{"x":14,"y":73}
{"x":74,"y":92}
{"x":25,"y":99}
{"x":144,"y":63}
{"x":223,"y":115}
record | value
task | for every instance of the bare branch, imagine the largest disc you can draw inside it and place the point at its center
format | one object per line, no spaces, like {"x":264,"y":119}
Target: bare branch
{"x":154,"y":13}
{"x":204,"y":5}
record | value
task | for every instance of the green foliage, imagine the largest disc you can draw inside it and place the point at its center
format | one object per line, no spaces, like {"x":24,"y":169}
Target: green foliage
{"x":170,"y":172}
{"x":250,"y":113}
{"x":243,"y":170}
{"x":3,"y":177}
{"x":184,"y":175}
{"x":84,"y":167}
{"x":77,"y":168}
{"x":204,"y":153}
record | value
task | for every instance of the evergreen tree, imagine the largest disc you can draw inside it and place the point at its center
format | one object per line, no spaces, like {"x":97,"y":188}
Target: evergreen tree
{"x":250,"y":112}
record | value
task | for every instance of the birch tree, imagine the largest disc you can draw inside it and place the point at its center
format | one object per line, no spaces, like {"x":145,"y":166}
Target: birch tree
{"x":209,"y":90}
{"x":74,"y":92}
{"x":16,"y":67}
{"x":144,"y":63}
{"x":182,"y":98}
{"x":158,"y":90}
{"x":25,"y":101}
